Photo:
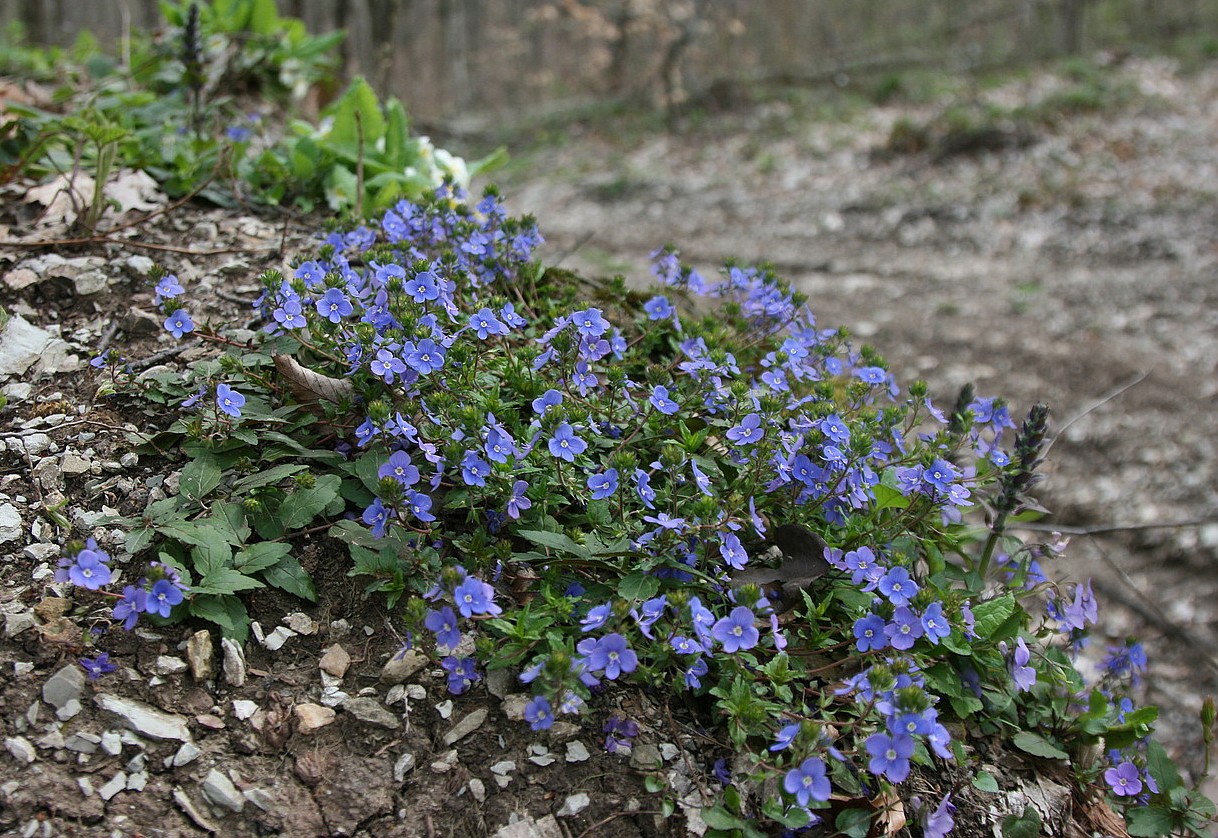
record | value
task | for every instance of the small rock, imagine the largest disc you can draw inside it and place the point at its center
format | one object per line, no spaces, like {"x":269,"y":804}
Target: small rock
{"x":669,"y":751}
{"x":577,"y":752}
{"x":200,"y":656}
{"x":234,"y":662}
{"x":22,"y":668}
{"x":339,"y":628}
{"x":10,"y":523}
{"x":137,"y":763}
{"x":478,"y":789}
{"x":17,"y":622}
{"x":396,"y":693}
{"x":86,"y":786}
{"x":31,"y":445}
{"x":91,"y":282}
{"x":275,"y":640}
{"x":188,"y":808}
{"x":526,"y":827}
{"x":21,"y":748}
{"x":312,"y":717}
{"x":499,"y":682}
{"x":445,"y":708}
{"x":562,"y":731}
{"x":415,"y":692}
{"x":137,"y":781}
{"x":466,"y":726}
{"x":112,"y":743}
{"x":260,"y":798}
{"x":21,"y":344}
{"x":69,"y":711}
{"x":244,"y":708}
{"x":540,"y":755}
{"x":513,"y":706}
{"x":186,"y":754}
{"x":504,"y":767}
{"x":65,"y":685}
{"x":301,"y":623}
{"x":82,"y":742}
{"x":115,"y":784}
{"x":445,"y":763}
{"x":209,"y":721}
{"x":646,"y":757}
{"x":370,"y":711}
{"x":73,"y":463}
{"x":573,"y":805}
{"x":219,"y":790}
{"x":167,"y":665}
{"x":129,"y":460}
{"x":400,"y":668}
{"x":52,"y":740}
{"x":402,"y":767}
{"x":143,"y":719}
{"x":336,"y":661}
{"x":139,"y":266}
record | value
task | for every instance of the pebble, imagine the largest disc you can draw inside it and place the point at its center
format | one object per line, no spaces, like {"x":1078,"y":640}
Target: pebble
{"x":143,"y":719}
{"x":15,"y":623}
{"x":446,"y":762}
{"x":137,"y":781}
{"x":210,"y":721}
{"x":478,"y":789}
{"x":52,"y":740}
{"x":82,"y":743}
{"x":129,"y":460}
{"x":260,"y":798}
{"x":499,"y":682}
{"x":466,"y":726}
{"x":573,"y":805}
{"x":69,"y":710}
{"x":188,"y":808}
{"x":445,"y":708}
{"x":301,"y":623}
{"x":513,"y":706}
{"x":86,"y":786}
{"x":312,"y":717}
{"x":22,"y":668}
{"x":186,"y":754}
{"x":113,"y":786}
{"x":21,"y":749}
{"x":646,"y":757}
{"x":415,"y":692}
{"x":669,"y":751}
{"x":540,"y":755}
{"x":112,"y":743}
{"x":275,"y":640}
{"x":370,"y":711}
{"x":219,"y":790}
{"x":234,"y":662}
{"x":199,"y":656}
{"x":10,"y":523}
{"x":65,"y":685}
{"x":167,"y":665}
{"x":403,"y":766}
{"x":41,"y":552}
{"x":577,"y":752}
{"x":244,"y":708}
{"x":398,"y":669}
{"x":30,"y":444}
{"x":336,"y":661}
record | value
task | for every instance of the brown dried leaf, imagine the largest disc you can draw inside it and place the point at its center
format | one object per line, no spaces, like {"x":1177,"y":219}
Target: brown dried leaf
{"x":891,"y":818}
{"x":309,"y":386}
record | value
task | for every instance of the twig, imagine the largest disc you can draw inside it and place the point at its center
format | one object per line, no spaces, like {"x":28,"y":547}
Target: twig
{"x":106,"y":239}
{"x":1105,"y":529}
{"x":1098,"y":403}
{"x":157,"y":357}
{"x":609,"y":818}
{"x":107,"y":336}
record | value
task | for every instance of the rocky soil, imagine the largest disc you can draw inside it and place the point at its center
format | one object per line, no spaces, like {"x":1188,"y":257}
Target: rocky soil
{"x":1080,"y":270}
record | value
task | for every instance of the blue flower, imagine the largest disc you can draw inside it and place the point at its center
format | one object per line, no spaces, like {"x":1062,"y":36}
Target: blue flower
{"x":334,"y":305}
{"x":499,"y":445}
{"x":474,"y":596}
{"x":808,"y":782}
{"x":936,"y":625}
{"x":163,"y":597}
{"x":179,"y":323}
{"x":130,"y":606}
{"x":748,"y":431}
{"x":785,"y":737}
{"x":229,"y":400}
{"x":612,"y":654}
{"x":376,"y":516}
{"x":474,"y":469}
{"x":733,"y":551}
{"x":658,"y":308}
{"x":168,"y":288}
{"x":387,"y":366}
{"x":399,"y":468}
{"x":905,"y":628}
{"x":538,"y":713}
{"x":736,"y":631}
{"x":890,"y":755}
{"x":290,"y":315}
{"x":596,"y":617}
{"x":423,"y":287}
{"x":898,"y":586}
{"x":939,"y":823}
{"x":426,"y":357}
{"x":590,"y":323}
{"x":940,"y":475}
{"x":1023,"y":675}
{"x":462,"y":673}
{"x":643,"y":483}
{"x":419,"y":505}
{"x":694,"y":673}
{"x":869,"y":632}
{"x":89,"y":569}
{"x":548,"y":399}
{"x":660,"y":401}
{"x":98,"y":666}
{"x":564,"y":444}
{"x":603,"y":484}
{"x":518,"y":503}
{"x":835,"y":429}
{"x":484,"y":323}
{"x":1125,"y":780}
{"x":444,"y":624}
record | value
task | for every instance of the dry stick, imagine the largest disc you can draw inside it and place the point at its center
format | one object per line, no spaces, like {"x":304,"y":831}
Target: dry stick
{"x":1148,"y":609}
{"x":1106,"y":529}
{"x":609,"y":818}
{"x":107,"y":336}
{"x":164,"y":354}
{"x":1098,"y":403}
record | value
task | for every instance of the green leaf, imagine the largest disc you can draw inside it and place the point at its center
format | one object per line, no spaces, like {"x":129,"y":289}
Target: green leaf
{"x":225,"y":580}
{"x":957,"y":643}
{"x":138,"y":539}
{"x":300,"y":507}
{"x":397,"y":135}
{"x":638,"y":586}
{"x":269,"y":477}
{"x":260,"y":556}
{"x":227,"y":612}
{"x":717,"y":817}
{"x":853,"y":822}
{"x":264,"y":18}
{"x":199,"y":477}
{"x":1162,"y":768}
{"x":556,"y":541}
{"x":1026,"y":825}
{"x":358,"y":108}
{"x":1037,"y":745}
{"x":233,"y":516}
{"x":984,"y":781}
{"x":887,"y":497}
{"x":991,"y":614}
{"x":288,"y":575}
{"x":1149,"y":821}
{"x":795,"y":819}
{"x":212,"y":553}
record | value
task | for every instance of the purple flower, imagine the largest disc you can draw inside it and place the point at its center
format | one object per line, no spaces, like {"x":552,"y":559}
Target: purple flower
{"x":898,"y":586}
{"x":518,"y":503}
{"x":694,"y":673}
{"x":701,"y":480}
{"x":733,"y":552}
{"x":665,"y":522}
{"x":130,"y":606}
{"x":651,"y":610}
{"x":167,"y":289}
{"x":940,"y":474}
{"x":1023,"y":675}
{"x":643,"y":483}
{"x":89,"y":569}
{"x":736,"y":631}
{"x":474,"y":469}
{"x":808,"y":782}
{"x":935,"y":623}
{"x":98,"y":666}
{"x":590,"y":323}
{"x":683,"y":645}
{"x":564,"y":444}
{"x":939,"y":823}
{"x":499,"y":445}
{"x":869,"y":632}
{"x":548,"y":399}
{"x":229,"y":400}
{"x":423,"y":287}
{"x":660,"y":401}
{"x":179,"y":323}
{"x":163,"y":597}
{"x":890,"y":755}
{"x":835,"y":429}
{"x":748,"y":431}
{"x":905,"y":628}
{"x":462,"y":673}
{"x":1125,"y":780}
{"x":444,"y":624}
{"x":387,"y":366}
{"x":427,"y":357}
{"x":658,"y":308}
{"x":376,"y":516}
{"x":596,"y":617}
{"x":334,"y":305}
{"x":484,"y":323}
{"x":419,"y":505}
{"x":612,"y":654}
{"x":538,"y":713}
{"x":290,"y":315}
{"x":399,"y":468}
{"x":473,"y":596}
{"x":785,"y":737}
{"x":603,"y":484}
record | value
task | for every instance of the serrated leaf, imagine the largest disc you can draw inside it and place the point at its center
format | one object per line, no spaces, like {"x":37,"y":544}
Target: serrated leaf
{"x":957,"y":643}
{"x":212,"y":553}
{"x":268,"y":477}
{"x":199,"y":477}
{"x":260,"y":556}
{"x":288,"y":575}
{"x":984,"y":781}
{"x":638,"y":586}
{"x":226,"y":580}
{"x":991,"y":614}
{"x":1026,"y":825}
{"x":300,"y":507}
{"x":853,"y":822}
{"x":556,"y":541}
{"x":1162,"y":768}
{"x":1037,"y":745}
{"x":1149,"y":821}
{"x":357,"y":114}
{"x":227,"y":612}
{"x":233,"y":516}
{"x":138,"y":539}
{"x":796,"y":818}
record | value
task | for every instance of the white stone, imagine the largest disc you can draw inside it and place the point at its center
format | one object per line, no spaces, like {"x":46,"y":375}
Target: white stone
{"x":478,"y":789}
{"x":577,"y":752}
{"x":143,"y":719}
{"x":112,"y":743}
{"x":300,"y":622}
{"x":10,"y":523}
{"x":234,"y":662}
{"x":445,"y":708}
{"x":275,"y":640}
{"x":573,"y":805}
{"x":186,"y":754}
{"x":21,"y":344}
{"x":220,"y":791}
{"x":21,"y":748}
{"x":116,"y":784}
{"x":403,"y":766}
{"x":168,"y":665}
{"x":244,"y":708}
{"x":466,"y":726}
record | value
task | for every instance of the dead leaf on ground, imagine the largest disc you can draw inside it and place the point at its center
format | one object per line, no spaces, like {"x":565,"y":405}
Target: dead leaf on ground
{"x":309,"y":386}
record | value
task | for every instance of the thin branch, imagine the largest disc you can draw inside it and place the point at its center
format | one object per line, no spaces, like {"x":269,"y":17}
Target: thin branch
{"x":1095,"y":405}
{"x":1105,"y":529}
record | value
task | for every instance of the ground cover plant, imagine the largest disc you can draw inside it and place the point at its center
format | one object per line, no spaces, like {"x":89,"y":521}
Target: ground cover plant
{"x":588,"y":483}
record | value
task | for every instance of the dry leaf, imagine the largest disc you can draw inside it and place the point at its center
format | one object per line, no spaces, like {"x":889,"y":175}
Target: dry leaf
{"x":309,"y":386}
{"x":65,"y":198}
{"x":891,"y":812}
{"x":134,"y":189}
